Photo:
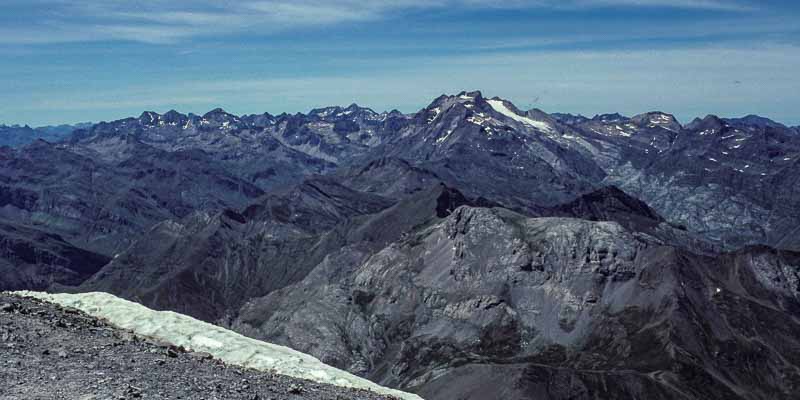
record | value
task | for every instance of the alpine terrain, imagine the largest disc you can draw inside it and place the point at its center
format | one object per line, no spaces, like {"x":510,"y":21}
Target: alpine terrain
{"x":472,"y":250}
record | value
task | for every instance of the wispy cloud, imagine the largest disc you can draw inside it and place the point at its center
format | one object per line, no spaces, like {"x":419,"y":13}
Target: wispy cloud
{"x":160,"y":21}
{"x":721,"y":5}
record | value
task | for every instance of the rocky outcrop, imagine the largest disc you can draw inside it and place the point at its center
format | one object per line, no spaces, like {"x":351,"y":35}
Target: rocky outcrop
{"x":489,"y":295}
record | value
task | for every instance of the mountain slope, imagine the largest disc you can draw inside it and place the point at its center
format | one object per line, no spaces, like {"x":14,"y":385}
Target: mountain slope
{"x":207,"y":264}
{"x":487,"y":148}
{"x":120,"y":349}
{"x":34,"y":259}
{"x":488,"y":295}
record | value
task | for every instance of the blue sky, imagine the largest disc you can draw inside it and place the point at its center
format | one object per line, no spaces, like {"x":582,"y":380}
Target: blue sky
{"x":70,"y":61}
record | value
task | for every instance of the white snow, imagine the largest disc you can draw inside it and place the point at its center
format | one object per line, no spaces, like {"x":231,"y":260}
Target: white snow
{"x":713,"y":159}
{"x":436,"y":110}
{"x":443,"y":138}
{"x":225,"y":345}
{"x":465,"y":97}
{"x":500,"y":107}
{"x":477,"y":119}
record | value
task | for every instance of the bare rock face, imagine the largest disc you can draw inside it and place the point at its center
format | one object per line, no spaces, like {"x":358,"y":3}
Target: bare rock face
{"x":487,"y":294}
{"x":207,"y":264}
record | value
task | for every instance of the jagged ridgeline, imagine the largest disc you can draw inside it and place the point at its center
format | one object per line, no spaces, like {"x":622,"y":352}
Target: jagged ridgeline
{"x":470,"y":250}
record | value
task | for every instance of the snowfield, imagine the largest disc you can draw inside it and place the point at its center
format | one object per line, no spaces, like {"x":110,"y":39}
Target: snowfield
{"x":500,"y":107}
{"x":223,"y":344}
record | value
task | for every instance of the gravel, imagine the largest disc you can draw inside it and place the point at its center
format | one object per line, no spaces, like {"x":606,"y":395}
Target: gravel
{"x":49,"y":352}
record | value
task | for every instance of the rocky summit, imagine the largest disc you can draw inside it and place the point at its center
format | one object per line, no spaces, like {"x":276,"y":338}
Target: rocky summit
{"x":472,"y":250}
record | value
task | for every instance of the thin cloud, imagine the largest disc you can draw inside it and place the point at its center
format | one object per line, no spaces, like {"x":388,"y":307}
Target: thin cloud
{"x":159,"y":21}
{"x":718,"y":5}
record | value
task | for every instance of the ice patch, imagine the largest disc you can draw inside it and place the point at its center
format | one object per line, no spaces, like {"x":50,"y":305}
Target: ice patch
{"x":202,"y":341}
{"x":443,"y":138}
{"x":500,"y":107}
{"x":225,"y":345}
{"x":436,"y":111}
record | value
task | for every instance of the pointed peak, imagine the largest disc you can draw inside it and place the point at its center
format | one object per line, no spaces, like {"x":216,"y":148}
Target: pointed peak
{"x":148,"y":114}
{"x":149,"y":118}
{"x":473,"y":94}
{"x":710,"y":124}
{"x":216,"y":112}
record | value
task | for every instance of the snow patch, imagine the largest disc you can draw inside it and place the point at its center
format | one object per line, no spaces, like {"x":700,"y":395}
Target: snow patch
{"x":436,"y":112}
{"x":443,"y":138}
{"x":225,"y":345}
{"x":500,"y":107}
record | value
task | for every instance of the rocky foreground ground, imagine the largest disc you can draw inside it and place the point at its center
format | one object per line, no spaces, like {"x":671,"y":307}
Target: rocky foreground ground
{"x":49,"y":352}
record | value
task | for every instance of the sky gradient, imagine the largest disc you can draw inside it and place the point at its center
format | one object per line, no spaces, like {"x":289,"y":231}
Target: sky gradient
{"x":70,"y":61}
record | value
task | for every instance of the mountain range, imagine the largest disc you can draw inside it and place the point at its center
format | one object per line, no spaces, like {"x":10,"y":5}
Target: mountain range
{"x":471,"y":250}
{"x":16,"y":135}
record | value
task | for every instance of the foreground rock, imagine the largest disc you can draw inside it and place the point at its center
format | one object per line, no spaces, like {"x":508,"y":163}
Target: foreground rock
{"x":48,"y":352}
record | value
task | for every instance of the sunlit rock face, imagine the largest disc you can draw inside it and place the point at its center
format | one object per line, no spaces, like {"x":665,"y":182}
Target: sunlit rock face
{"x":487,"y":294}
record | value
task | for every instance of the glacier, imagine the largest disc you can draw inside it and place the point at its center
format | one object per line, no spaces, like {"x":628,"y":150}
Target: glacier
{"x":223,"y":344}
{"x":500,"y":107}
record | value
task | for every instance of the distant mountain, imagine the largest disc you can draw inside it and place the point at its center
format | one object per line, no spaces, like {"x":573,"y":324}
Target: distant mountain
{"x":15,"y":135}
{"x":469,"y":250}
{"x":103,"y":205}
{"x":755,"y":121}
